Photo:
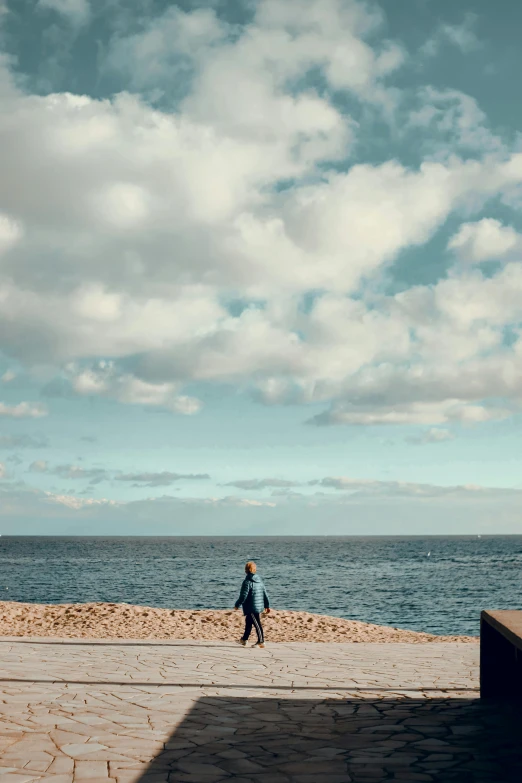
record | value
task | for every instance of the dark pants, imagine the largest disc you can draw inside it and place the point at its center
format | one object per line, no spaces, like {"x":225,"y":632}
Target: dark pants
{"x":253,"y":619}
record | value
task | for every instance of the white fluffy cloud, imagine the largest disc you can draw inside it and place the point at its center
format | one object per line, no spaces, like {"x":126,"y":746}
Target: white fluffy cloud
{"x":229,"y":236}
{"x":104,"y":381}
{"x":277,"y":47}
{"x":485,"y":240}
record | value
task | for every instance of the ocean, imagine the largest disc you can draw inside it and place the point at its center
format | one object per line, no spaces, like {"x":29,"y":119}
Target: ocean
{"x":435,"y":584}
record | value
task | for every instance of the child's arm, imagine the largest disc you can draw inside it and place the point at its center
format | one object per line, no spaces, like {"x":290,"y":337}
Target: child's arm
{"x":245,"y":587}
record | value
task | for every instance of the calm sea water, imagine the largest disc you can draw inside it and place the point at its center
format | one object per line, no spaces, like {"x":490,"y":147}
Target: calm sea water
{"x":431,"y":584}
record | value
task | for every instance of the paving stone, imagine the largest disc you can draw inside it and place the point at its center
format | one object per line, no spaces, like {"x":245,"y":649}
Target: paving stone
{"x":313,"y":767}
{"x":240,"y":766}
{"x":188,"y":777}
{"x":37,"y":766}
{"x":195,"y":768}
{"x":126,"y":776}
{"x":90,"y":769}
{"x":322,"y":778}
{"x":231,"y":753}
{"x":21,"y":765}
{"x":436,"y":765}
{"x":28,"y":755}
{"x":90,"y":779}
{"x":439,"y":757}
{"x":327,"y":752}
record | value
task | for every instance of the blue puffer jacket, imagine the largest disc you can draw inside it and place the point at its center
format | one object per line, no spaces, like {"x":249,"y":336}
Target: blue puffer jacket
{"x":253,"y":596}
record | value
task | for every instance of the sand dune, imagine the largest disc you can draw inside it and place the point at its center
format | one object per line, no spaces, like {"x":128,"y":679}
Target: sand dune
{"x":124,"y":621}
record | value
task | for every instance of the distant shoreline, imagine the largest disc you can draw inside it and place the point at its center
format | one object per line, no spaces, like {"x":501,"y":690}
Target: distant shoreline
{"x":128,"y":621}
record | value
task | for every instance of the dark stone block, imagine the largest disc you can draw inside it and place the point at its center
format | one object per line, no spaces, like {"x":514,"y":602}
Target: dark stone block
{"x":501,"y":655}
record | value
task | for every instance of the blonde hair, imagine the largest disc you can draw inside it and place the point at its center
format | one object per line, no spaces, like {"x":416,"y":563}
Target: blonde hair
{"x":250,"y":567}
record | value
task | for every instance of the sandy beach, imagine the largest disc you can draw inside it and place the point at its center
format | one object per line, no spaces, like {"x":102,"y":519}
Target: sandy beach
{"x":125,"y":621}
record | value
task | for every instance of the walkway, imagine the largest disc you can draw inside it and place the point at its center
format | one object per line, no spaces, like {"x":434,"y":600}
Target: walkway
{"x":209,"y":712}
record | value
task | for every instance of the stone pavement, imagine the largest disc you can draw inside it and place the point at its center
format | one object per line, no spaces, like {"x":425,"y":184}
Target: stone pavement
{"x":212,"y":711}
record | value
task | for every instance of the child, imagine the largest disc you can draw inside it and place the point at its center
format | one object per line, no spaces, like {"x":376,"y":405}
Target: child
{"x":253,"y":598}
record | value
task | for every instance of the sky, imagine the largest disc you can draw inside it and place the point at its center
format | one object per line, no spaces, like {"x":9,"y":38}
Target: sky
{"x":260,"y":267}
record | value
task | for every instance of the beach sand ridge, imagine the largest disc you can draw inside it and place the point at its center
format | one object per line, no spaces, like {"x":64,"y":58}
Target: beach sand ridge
{"x":127,"y":621}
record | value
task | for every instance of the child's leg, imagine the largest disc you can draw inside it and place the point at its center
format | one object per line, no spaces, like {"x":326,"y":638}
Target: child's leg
{"x":256,"y":620}
{"x":248,"y":627}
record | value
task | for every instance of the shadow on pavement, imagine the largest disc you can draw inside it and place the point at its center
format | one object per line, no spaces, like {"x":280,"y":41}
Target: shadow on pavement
{"x":268,"y":740}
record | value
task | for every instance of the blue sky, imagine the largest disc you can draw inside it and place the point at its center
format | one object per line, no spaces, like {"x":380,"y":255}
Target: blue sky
{"x":260,"y":267}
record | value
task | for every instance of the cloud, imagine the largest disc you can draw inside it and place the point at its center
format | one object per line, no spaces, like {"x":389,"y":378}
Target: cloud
{"x":10,"y":232}
{"x":76,"y":472}
{"x":23,"y":441}
{"x":162,"y":479}
{"x":433,"y":435}
{"x":23,"y":410}
{"x":452,"y":118}
{"x":462,"y":36}
{"x":77,"y":503}
{"x":72,"y":472}
{"x":391,"y":489}
{"x":97,"y":475}
{"x":39,"y":466}
{"x":3,"y":471}
{"x":8,"y":376}
{"x":243,"y":503}
{"x":410,"y":413}
{"x":169,"y":44}
{"x":486,"y":240}
{"x":455,"y":367}
{"x":77,"y":12}
{"x":104,"y":380}
{"x":261,"y":58}
{"x":256,"y":484}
